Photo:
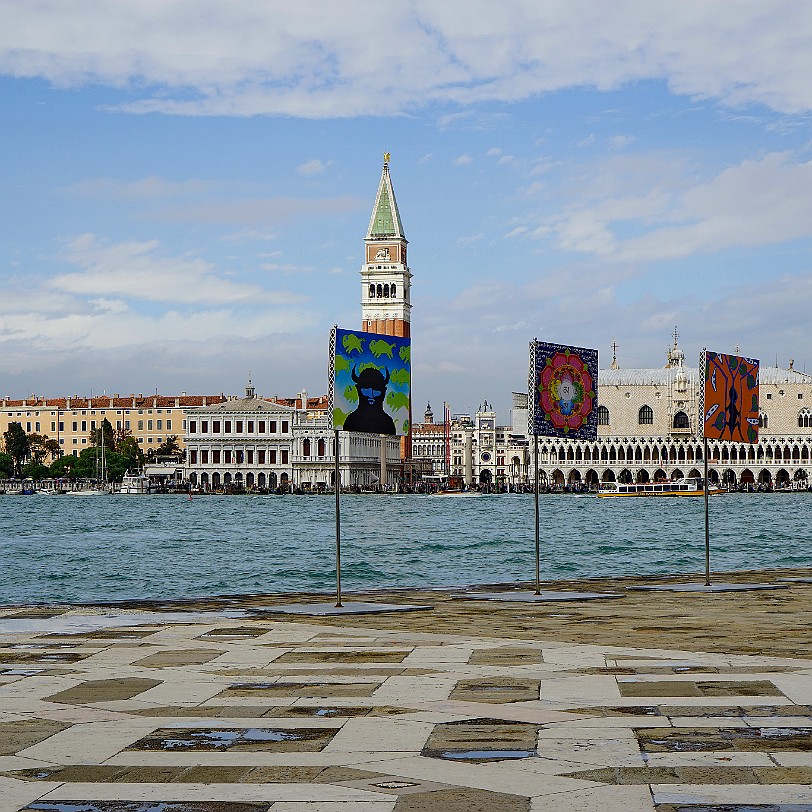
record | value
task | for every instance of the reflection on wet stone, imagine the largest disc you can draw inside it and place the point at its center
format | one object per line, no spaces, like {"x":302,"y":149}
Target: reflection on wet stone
{"x":246,"y":739}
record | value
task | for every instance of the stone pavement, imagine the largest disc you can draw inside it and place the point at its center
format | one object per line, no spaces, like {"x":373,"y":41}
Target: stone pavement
{"x":210,"y":713}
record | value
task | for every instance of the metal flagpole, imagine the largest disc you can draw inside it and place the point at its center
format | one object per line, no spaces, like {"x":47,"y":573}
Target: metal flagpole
{"x":707,"y":519}
{"x":536,"y":466}
{"x":337,"y":478}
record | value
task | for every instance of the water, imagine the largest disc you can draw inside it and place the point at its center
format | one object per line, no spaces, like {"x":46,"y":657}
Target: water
{"x":68,"y":549}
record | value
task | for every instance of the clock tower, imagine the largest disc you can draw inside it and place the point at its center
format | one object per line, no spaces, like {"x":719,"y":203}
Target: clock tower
{"x":385,"y":275}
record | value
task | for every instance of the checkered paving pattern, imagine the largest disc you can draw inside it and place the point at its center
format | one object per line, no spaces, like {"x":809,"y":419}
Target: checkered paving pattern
{"x":290,"y":715}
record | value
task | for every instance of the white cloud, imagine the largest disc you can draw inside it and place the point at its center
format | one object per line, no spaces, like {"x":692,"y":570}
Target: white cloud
{"x":134,"y":270}
{"x":325,"y":59}
{"x":312,"y":167}
{"x":463,"y":160}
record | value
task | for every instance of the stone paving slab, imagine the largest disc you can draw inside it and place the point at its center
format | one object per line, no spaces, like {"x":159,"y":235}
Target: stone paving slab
{"x":325,"y":716}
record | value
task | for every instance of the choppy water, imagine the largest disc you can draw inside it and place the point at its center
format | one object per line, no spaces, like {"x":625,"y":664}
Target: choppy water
{"x":68,"y":548}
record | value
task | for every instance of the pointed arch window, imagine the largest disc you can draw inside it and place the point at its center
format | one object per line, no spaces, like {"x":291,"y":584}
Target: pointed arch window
{"x":805,"y":419}
{"x":603,"y":416}
{"x":372,"y":291}
{"x":763,"y":420}
{"x":645,"y":417}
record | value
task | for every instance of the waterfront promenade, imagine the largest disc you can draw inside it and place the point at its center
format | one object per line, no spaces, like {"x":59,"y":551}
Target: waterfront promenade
{"x":657,"y":701}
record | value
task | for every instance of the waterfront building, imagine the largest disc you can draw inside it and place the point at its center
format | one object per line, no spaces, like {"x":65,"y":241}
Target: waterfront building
{"x":70,"y":420}
{"x":268,"y":443}
{"x":648,"y":421}
{"x":648,"y":425}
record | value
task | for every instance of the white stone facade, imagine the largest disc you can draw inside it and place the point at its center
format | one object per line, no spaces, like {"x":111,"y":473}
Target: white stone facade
{"x":648,"y":429}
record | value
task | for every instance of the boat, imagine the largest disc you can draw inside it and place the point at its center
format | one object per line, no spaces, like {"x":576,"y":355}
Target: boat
{"x":677,"y":487}
{"x":136,"y":484}
{"x":457,"y":492}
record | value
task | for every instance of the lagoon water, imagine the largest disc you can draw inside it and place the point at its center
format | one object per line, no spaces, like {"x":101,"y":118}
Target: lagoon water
{"x":76,"y":549}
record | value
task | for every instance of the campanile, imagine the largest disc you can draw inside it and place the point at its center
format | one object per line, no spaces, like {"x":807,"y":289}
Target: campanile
{"x":385,"y":275}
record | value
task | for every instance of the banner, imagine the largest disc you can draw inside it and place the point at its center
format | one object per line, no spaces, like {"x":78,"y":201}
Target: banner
{"x":729,"y":397}
{"x":370,"y":379}
{"x":563,"y":383}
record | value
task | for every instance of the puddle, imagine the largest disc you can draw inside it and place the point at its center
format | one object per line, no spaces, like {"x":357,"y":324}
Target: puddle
{"x":252,"y":738}
{"x":80,"y":624}
{"x":22,"y":672}
{"x":395,"y":784}
{"x":146,"y":806}
{"x":741,"y":739}
{"x":487,"y":755}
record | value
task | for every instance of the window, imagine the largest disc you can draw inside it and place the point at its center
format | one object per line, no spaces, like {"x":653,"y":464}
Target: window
{"x":204,"y":457}
{"x":159,"y":424}
{"x":53,"y":425}
{"x":321,"y":448}
{"x":61,"y":426}
{"x":272,"y":427}
{"x":227,"y":456}
{"x":193,"y":427}
{"x":261,"y":457}
{"x":261,"y":428}
{"x":805,"y":419}
{"x":769,"y":395}
{"x":284,"y":457}
{"x":272,"y":457}
{"x":149,"y":425}
{"x":250,"y":426}
{"x":75,"y":426}
{"x":215,"y":426}
{"x":84,"y":425}
{"x":227,"y":429}
{"x":762,"y":420}
{"x":140,"y":425}
{"x":169,"y":425}
{"x":250,"y":457}
{"x":603,"y":416}
{"x":284,"y":427}
{"x":681,"y":421}
{"x":645,"y":417}
{"x":306,"y":448}
{"x":193,"y":457}
{"x":215,"y":457}
{"x":127,"y":425}
{"x":239,"y":427}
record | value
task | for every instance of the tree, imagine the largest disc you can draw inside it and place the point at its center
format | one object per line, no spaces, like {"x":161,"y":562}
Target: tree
{"x":16,"y":442}
{"x":6,"y":465}
{"x":41,"y":447}
{"x":35,"y":470}
{"x":104,"y":433}
{"x":168,"y":448}
{"x":128,"y":447}
{"x":64,"y":467}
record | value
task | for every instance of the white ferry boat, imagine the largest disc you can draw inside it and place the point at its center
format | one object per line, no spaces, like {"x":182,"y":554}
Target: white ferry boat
{"x":678,"y":487}
{"x":136,"y":484}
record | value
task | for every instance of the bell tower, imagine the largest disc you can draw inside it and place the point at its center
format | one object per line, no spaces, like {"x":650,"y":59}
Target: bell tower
{"x":385,"y":275}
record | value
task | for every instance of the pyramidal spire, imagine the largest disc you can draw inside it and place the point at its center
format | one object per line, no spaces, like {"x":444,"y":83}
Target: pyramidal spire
{"x":385,"y":222}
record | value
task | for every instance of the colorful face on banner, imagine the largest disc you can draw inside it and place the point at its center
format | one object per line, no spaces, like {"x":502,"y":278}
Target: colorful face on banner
{"x":370,"y":382}
{"x":563,"y":391}
{"x":730,"y":398}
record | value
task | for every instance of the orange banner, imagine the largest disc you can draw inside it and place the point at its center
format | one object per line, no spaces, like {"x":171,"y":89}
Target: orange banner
{"x":730,"y":398}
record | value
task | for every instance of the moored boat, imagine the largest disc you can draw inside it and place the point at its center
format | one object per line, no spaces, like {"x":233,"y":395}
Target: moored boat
{"x":678,"y":487}
{"x":136,"y":484}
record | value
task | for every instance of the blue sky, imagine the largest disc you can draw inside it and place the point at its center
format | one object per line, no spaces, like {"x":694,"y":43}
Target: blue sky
{"x":187,"y":186}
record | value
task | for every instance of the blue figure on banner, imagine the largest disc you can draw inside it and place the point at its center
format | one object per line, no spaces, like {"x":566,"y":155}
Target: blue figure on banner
{"x":369,"y":416}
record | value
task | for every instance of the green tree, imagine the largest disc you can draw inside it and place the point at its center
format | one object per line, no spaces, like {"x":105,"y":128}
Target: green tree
{"x":41,"y":447}
{"x":6,"y":465}
{"x":64,"y":467}
{"x":16,"y":442}
{"x":168,"y":448}
{"x":35,"y":470}
{"x":104,"y":433}
{"x":128,"y":447}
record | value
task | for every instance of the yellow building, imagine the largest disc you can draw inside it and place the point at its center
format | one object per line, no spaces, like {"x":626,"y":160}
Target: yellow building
{"x":69,"y":421}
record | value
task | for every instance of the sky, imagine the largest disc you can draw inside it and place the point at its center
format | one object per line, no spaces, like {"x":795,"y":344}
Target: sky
{"x":187,"y":185}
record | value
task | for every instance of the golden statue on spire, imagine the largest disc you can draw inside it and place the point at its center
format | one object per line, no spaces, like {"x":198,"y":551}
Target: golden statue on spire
{"x":386,"y":157}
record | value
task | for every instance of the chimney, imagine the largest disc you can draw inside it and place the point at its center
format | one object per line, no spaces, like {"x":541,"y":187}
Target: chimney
{"x":177,"y":402}
{"x":204,"y":400}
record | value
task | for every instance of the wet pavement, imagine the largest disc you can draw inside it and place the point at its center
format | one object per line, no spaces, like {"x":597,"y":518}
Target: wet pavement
{"x":194,"y":712}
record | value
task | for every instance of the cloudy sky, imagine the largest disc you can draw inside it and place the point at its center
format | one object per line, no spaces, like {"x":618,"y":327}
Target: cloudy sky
{"x":187,"y":185}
